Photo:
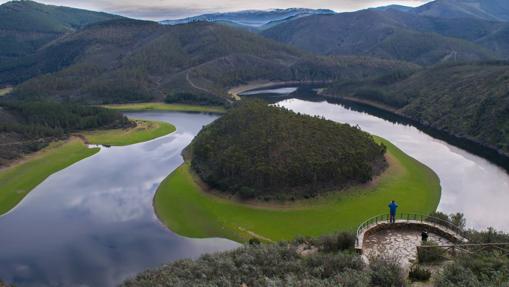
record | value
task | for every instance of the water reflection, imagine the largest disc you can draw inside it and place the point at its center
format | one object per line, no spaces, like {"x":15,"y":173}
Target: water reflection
{"x":470,"y":184}
{"x":93,"y":223}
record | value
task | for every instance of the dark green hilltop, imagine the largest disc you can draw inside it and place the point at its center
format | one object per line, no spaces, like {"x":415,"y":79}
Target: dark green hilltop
{"x":267,"y":152}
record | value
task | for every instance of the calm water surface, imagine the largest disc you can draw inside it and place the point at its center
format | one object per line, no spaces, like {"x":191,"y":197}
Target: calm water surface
{"x":470,"y":184}
{"x":93,"y":224}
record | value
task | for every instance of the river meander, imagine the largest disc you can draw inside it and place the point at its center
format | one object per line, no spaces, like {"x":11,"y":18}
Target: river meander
{"x":93,"y":224}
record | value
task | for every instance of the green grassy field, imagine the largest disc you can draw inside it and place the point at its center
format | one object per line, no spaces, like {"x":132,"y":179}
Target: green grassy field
{"x":144,"y":131}
{"x":187,"y":210}
{"x":5,"y":91}
{"x":17,"y":181}
{"x":166,"y":107}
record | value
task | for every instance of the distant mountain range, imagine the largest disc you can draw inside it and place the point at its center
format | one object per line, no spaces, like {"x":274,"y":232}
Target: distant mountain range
{"x":492,"y":10}
{"x":255,"y":19}
{"x":129,"y":60}
{"x":441,"y":63}
{"x":391,"y":34}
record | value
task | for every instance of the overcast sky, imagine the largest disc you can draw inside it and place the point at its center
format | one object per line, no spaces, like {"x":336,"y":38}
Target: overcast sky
{"x":171,"y":9}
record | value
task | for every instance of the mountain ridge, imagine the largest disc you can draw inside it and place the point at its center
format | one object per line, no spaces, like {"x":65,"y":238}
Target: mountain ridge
{"x":251,"y":19}
{"x":26,"y":26}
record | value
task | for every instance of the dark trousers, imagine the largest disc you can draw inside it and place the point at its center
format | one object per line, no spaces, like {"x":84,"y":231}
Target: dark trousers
{"x":392,"y":218}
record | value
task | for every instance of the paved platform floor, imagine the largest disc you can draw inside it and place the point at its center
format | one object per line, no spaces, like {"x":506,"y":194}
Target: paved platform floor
{"x":398,"y":244}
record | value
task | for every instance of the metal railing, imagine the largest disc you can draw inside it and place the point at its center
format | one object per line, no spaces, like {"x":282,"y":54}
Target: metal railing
{"x":408,"y":217}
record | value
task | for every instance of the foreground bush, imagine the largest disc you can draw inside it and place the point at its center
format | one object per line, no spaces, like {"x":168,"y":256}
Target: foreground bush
{"x":419,"y":274}
{"x":386,"y":272}
{"x":276,"y":265}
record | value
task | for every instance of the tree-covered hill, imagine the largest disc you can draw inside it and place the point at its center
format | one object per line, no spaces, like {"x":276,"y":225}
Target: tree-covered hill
{"x":466,"y":100}
{"x":398,"y":35}
{"x":267,"y":152}
{"x":26,"y":26}
{"x":129,"y":60}
{"x":28,"y":127}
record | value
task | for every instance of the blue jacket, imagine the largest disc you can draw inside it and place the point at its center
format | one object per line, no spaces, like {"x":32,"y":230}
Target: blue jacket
{"x":393,"y":206}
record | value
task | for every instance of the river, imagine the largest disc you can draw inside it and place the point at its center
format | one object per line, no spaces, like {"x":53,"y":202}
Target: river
{"x":93,"y":224}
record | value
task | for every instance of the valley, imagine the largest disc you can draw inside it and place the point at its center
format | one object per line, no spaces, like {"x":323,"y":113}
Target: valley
{"x":147,"y":144}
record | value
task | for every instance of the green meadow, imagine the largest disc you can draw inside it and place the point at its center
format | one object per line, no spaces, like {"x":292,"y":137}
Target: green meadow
{"x":18,"y":180}
{"x":166,"y":107}
{"x":144,"y":131}
{"x":183,"y":206}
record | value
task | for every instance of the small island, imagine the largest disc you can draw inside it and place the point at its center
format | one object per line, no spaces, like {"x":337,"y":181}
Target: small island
{"x":268,"y":173}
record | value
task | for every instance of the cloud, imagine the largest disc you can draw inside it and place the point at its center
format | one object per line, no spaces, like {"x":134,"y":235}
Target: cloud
{"x":171,"y":9}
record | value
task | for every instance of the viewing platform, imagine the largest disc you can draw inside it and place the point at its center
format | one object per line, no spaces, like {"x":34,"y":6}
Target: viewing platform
{"x":378,"y":237}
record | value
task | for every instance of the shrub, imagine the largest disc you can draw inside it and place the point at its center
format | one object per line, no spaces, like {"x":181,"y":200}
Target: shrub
{"x":457,"y":276}
{"x":419,"y":274}
{"x":431,"y":254}
{"x":254,"y":241}
{"x":337,"y":242}
{"x":386,"y":272}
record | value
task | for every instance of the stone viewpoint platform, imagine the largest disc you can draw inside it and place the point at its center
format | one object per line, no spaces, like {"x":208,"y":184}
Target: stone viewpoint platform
{"x":378,"y":237}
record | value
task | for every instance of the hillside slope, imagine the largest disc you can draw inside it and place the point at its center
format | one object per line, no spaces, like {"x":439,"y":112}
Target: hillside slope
{"x":388,"y":34}
{"x":25,"y":26}
{"x":493,"y":10}
{"x":469,"y":100}
{"x":129,"y":60}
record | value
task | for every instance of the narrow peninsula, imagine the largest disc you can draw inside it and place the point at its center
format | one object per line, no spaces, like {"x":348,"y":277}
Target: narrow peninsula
{"x":266,"y":172}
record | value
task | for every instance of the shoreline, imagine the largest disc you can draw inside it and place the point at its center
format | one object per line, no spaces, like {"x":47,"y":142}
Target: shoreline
{"x":23,"y":175}
{"x":485,"y":151}
{"x":165,"y":107}
{"x":182,"y":205}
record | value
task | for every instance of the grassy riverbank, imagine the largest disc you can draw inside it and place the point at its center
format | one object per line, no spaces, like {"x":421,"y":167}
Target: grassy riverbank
{"x":144,"y":131}
{"x":18,"y":180}
{"x":186,"y":209}
{"x":166,"y":107}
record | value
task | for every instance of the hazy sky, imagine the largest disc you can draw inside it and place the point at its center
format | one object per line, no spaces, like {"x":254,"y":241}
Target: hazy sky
{"x":170,"y":9}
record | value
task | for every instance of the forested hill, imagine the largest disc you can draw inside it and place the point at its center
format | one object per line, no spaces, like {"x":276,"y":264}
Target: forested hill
{"x":466,"y":100}
{"x":130,"y":60}
{"x":28,"y":127}
{"x":26,"y":26}
{"x":266,"y":152}
{"x":392,"y":34}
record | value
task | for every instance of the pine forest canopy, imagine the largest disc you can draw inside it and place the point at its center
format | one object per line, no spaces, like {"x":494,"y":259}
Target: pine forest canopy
{"x":269,"y":152}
